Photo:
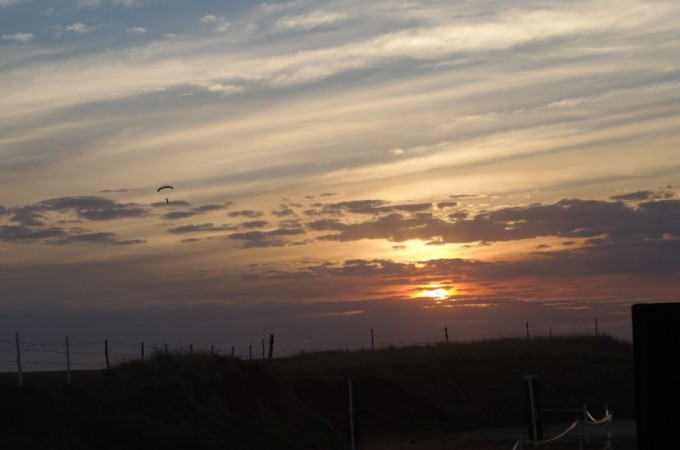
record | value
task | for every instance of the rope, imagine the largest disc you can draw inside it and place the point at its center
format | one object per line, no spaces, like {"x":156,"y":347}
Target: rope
{"x":590,"y":420}
{"x":593,"y":421}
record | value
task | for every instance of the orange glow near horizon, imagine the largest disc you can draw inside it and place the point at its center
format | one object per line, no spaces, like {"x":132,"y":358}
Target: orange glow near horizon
{"x":435,"y":292}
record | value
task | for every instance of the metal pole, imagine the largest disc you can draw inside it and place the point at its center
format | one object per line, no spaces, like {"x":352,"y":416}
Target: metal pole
{"x":532,"y":408}
{"x":351,"y":415}
{"x":68,"y":362}
{"x":21,"y":372}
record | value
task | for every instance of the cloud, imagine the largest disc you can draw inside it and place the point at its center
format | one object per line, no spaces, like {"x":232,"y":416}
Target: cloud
{"x":219,"y":23}
{"x":126,"y":3}
{"x":78,"y":28}
{"x":84,"y":207}
{"x":220,"y":88}
{"x":136,"y":30}
{"x":643,"y":195}
{"x":566,"y":219}
{"x":245,"y":213}
{"x":18,"y":37}
{"x":89,"y":3}
{"x":37,"y":221}
{"x":255,"y":224}
{"x":203,"y":209}
{"x":199,"y":228}
{"x":271,"y":238}
{"x":22,"y":233}
{"x":4,"y":3}
{"x":312,"y":21}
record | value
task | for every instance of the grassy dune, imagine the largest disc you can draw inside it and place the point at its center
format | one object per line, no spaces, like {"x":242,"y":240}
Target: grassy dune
{"x":209,"y":402}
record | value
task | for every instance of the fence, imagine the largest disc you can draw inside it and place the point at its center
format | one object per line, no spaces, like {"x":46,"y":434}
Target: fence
{"x":99,"y":354}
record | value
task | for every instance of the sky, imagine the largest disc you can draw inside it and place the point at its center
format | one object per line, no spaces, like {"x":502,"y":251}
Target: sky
{"x":338,"y":166}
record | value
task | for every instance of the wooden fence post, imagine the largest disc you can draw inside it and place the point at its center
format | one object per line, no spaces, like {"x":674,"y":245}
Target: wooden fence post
{"x":106,"y":353}
{"x":212,"y":349}
{"x":446,"y":335}
{"x":597,"y":333}
{"x":271,"y":346}
{"x":191,"y":349}
{"x":372,"y":340}
{"x":262,"y":349}
{"x":527,"y":329}
{"x":232,"y":351}
{"x":350,"y":411}
{"x":20,"y":370}
{"x":142,"y":351}
{"x":68,"y":363}
{"x":166,"y":349}
{"x":250,"y":352}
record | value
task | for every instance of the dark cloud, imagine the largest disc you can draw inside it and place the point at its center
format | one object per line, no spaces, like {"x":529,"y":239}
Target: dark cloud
{"x":33,"y":220}
{"x":588,"y":219}
{"x":643,"y":195}
{"x":29,"y":216}
{"x":246,"y":213}
{"x":255,"y":224}
{"x":442,"y":205}
{"x":170,"y":204}
{"x":209,"y":208}
{"x":372,"y":207}
{"x":114,"y":191}
{"x":94,"y":208}
{"x":266,"y":238}
{"x":199,"y":228}
{"x":91,"y":238}
{"x":283,"y":211}
{"x":20,"y":233}
{"x":355,"y":206}
{"x":174,"y":215}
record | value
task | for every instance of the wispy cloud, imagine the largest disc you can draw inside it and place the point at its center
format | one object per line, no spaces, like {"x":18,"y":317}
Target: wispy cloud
{"x":18,"y":37}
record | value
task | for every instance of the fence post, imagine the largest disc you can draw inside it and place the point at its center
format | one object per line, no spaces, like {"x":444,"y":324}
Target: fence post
{"x":262,"y":349}
{"x":106,"y":352}
{"x":191,"y":349}
{"x":534,"y":408}
{"x":446,"y":335}
{"x":142,"y":351}
{"x":586,"y":434}
{"x":352,"y":418}
{"x":271,"y":346}
{"x":166,"y":349}
{"x":20,"y":371}
{"x":232,"y":351}
{"x":372,"y":341}
{"x":597,"y":332}
{"x":212,"y":349}
{"x":527,"y":329}
{"x":68,"y":363}
{"x":250,"y":352}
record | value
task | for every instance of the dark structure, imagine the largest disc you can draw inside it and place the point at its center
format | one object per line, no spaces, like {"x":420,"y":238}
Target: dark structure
{"x":533,"y":401}
{"x":656,"y":339}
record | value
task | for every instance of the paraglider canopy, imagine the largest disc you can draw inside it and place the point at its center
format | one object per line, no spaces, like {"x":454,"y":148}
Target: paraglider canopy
{"x":167,"y":186}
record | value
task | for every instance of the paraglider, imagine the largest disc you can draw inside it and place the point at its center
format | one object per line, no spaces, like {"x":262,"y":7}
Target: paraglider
{"x":165,"y":187}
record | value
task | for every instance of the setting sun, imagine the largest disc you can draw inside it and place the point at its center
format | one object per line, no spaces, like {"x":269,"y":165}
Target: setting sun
{"x":436,"y":292}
